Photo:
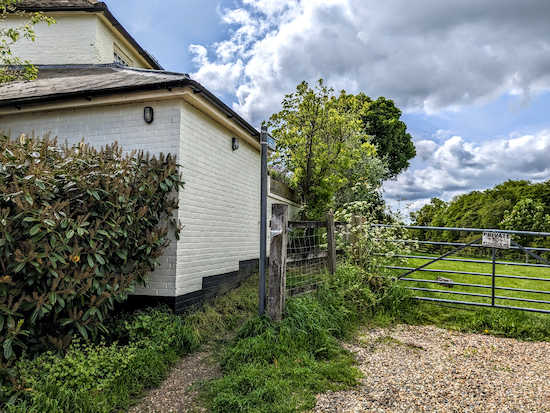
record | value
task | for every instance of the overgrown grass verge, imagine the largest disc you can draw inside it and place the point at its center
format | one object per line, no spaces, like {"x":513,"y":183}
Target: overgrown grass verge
{"x":111,"y":375}
{"x":280,"y":367}
{"x":517,"y":324}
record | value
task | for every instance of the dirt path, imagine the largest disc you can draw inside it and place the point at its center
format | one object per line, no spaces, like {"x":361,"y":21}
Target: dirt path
{"x":428,"y":369}
{"x":178,"y":393}
{"x":408,"y":369}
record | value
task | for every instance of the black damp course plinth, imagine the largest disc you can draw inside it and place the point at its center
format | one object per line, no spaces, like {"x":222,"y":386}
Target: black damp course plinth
{"x":212,"y":287}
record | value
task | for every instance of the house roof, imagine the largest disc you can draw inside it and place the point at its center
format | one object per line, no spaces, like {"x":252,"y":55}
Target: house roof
{"x":56,"y":3}
{"x":64,"y":82}
{"x":92,"y":6}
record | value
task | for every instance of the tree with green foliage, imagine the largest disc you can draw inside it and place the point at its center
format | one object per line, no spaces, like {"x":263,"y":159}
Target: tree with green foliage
{"x":319,"y":138}
{"x":425,"y":217}
{"x":11,"y":67}
{"x":382,"y":124}
{"x":339,"y":149}
{"x":488,"y":209}
{"x":526,"y":215}
{"x":363,"y":181}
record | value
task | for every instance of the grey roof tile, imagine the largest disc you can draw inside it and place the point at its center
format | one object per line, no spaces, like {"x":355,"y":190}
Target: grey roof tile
{"x":48,"y":4}
{"x":56,"y":81}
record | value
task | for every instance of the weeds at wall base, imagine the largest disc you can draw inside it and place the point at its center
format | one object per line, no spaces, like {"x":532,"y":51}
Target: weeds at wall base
{"x":153,"y":340}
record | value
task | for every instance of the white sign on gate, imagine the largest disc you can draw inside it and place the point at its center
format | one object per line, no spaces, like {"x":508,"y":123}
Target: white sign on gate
{"x":496,"y":240}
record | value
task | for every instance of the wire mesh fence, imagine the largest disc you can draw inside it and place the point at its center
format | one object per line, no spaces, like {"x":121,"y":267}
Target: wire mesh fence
{"x":306,"y":259}
{"x":301,"y":253}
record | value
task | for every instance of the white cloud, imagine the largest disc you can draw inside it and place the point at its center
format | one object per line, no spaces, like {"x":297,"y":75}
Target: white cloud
{"x":456,"y":166}
{"x":435,"y":55}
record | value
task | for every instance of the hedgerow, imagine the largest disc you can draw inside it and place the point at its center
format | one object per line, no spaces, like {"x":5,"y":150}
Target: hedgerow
{"x":79,"y":229}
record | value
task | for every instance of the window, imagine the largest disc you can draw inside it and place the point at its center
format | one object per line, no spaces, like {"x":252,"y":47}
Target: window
{"x":121,"y":58}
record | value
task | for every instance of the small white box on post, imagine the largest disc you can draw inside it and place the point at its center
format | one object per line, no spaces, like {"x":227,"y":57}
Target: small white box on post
{"x":277,"y":262}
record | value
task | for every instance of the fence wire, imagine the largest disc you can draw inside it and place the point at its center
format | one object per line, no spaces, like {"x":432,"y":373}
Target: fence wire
{"x":306,"y":259}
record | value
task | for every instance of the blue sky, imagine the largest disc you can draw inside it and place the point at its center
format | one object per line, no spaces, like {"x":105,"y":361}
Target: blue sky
{"x":472,"y":78}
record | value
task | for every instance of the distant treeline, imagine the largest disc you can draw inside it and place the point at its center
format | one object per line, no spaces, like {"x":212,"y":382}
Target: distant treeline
{"x":516,"y":205}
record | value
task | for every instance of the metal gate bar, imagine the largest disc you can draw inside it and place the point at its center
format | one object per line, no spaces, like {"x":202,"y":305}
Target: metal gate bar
{"x":493,"y":274}
{"x":452,"y":244}
{"x":509,"y":307}
{"x":420,"y":257}
{"x":483,"y":274}
{"x":439,"y":258}
{"x":523,"y":290}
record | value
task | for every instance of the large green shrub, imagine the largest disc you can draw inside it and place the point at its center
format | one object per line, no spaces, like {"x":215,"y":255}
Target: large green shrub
{"x":79,"y":228}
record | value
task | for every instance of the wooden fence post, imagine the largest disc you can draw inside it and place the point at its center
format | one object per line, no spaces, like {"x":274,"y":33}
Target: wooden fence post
{"x":331,"y":243}
{"x":277,"y":262}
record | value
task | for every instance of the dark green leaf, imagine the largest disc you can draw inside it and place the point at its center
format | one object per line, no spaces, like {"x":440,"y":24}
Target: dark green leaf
{"x":34,"y":230}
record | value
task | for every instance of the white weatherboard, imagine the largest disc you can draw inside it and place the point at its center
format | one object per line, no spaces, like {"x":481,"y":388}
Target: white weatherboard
{"x":496,"y":240}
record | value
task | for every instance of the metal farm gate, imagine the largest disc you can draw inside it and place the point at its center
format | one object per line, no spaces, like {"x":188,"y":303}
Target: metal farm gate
{"x":484,"y":272}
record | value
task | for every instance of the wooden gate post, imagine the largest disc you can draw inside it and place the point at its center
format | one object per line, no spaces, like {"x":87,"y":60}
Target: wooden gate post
{"x":277,"y":262}
{"x":331,"y":243}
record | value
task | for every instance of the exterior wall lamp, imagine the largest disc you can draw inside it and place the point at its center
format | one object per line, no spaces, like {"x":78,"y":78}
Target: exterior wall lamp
{"x":235,"y":144}
{"x":148,"y":114}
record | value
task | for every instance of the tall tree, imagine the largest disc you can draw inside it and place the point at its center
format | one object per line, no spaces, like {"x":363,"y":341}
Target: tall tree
{"x":381,"y":122}
{"x":319,"y":138}
{"x":526,"y":215}
{"x":11,"y":67}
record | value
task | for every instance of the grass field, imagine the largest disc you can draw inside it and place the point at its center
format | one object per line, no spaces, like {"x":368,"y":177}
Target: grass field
{"x":505,"y":268}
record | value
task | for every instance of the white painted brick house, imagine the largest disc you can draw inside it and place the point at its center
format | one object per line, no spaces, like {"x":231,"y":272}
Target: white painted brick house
{"x":84,"y":94}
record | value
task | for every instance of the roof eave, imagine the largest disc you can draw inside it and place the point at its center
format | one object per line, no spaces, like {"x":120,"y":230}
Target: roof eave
{"x":198,"y":88}
{"x":87,"y":94}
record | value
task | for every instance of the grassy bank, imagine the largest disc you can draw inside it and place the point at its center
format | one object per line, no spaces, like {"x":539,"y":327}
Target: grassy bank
{"x":280,"y":368}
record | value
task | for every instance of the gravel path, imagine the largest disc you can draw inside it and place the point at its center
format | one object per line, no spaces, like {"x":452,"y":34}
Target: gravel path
{"x":428,"y":369}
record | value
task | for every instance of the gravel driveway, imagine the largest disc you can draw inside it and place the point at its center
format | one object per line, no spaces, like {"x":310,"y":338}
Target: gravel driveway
{"x":428,"y":369}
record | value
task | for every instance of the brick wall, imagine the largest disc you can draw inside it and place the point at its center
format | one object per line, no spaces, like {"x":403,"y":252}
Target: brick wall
{"x":70,"y":41}
{"x":76,"y":38}
{"x":221,"y":202}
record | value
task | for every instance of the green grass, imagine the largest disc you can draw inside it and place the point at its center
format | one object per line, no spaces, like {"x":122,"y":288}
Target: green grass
{"x":279,"y":367}
{"x":517,"y":324}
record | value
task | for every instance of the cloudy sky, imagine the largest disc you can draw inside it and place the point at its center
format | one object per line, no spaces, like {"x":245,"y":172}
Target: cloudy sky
{"x":471,"y":77}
